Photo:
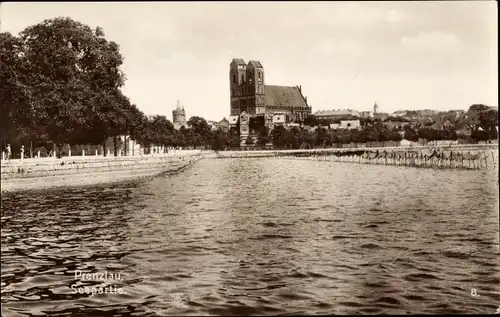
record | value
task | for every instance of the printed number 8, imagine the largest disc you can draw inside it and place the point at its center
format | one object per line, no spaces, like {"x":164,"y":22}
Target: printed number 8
{"x":473,"y":292}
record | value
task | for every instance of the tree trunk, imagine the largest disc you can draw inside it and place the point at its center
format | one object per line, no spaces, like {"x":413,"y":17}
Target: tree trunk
{"x":126,"y":149}
{"x":58,"y":146}
{"x":104,"y":148}
{"x":115,"y":150}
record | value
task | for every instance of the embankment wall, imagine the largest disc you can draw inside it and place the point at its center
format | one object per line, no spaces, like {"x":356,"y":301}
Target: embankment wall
{"x":32,"y":174}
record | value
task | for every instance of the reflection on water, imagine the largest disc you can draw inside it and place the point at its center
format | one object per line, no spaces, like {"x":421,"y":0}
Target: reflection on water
{"x":258,"y":236}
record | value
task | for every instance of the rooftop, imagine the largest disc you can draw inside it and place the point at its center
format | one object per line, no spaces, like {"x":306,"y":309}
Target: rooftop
{"x":239,"y":61}
{"x":255,"y":64}
{"x":283,"y":96}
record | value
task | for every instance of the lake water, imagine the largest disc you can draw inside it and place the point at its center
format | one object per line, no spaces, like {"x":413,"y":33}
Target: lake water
{"x":258,"y":236}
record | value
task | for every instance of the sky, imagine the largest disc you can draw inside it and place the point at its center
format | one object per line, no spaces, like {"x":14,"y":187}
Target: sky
{"x":345,"y":55}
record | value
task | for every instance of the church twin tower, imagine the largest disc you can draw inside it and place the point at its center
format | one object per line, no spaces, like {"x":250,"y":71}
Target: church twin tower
{"x":250,"y":94}
{"x":247,"y":87}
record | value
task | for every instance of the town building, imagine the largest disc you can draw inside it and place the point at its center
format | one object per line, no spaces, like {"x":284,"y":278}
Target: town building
{"x":343,"y":113}
{"x":336,"y":114}
{"x":223,"y":124}
{"x":346,"y":125}
{"x":381,"y":115}
{"x":350,"y":124}
{"x":366,"y":114}
{"x":426,"y":113}
{"x":179,"y":117}
{"x":399,"y":113}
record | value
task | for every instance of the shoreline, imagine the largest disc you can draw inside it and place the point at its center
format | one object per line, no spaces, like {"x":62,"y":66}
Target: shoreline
{"x":76,"y":177}
{"x":280,"y":152}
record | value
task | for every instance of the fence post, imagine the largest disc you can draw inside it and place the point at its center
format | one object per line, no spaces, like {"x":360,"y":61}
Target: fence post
{"x":83,"y":152}
{"x":69,"y":152}
{"x":95,"y":152}
{"x":38,"y":154}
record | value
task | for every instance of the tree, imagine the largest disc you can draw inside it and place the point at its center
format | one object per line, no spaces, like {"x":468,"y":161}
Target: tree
{"x":279,"y":136}
{"x":488,"y":119}
{"x":395,"y":136}
{"x":411,"y":134}
{"x":163,"y":130}
{"x":17,"y":119}
{"x":310,"y":120}
{"x":109,"y":114}
{"x":75,"y":79}
{"x":428,"y":134}
{"x":482,"y":116}
{"x":480,"y":135}
{"x":219,"y":139}
{"x":135,"y":119}
{"x":263,"y":136}
{"x":493,"y":133}
{"x":200,"y":131}
{"x":234,"y":141}
{"x":182,"y":137}
{"x":478,"y":107}
{"x":144,"y":133}
{"x":321,"y":137}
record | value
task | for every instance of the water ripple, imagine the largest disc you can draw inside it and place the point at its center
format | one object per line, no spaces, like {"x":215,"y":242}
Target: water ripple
{"x":257,"y":237}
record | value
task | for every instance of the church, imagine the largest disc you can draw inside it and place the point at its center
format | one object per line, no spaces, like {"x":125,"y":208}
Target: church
{"x":252,"y":98}
{"x":250,"y":94}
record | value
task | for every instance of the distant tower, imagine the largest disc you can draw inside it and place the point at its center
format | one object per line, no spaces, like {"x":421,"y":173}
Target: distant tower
{"x":179,"y":116}
{"x":237,"y":81}
{"x":255,"y":87}
{"x":375,"y":108}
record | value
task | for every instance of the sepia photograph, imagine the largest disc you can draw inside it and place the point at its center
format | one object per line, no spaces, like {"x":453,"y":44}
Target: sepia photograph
{"x":253,"y":158}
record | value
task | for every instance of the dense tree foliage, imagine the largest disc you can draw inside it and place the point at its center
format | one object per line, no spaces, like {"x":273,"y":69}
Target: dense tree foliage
{"x":483,"y":121}
{"x":61,"y":84}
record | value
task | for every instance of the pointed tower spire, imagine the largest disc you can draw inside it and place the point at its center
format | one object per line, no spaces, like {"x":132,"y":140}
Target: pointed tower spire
{"x":178,"y":105}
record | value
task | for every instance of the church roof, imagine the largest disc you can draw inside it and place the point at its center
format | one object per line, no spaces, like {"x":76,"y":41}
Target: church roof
{"x":283,"y":96}
{"x":255,"y":64}
{"x":239,"y":61}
